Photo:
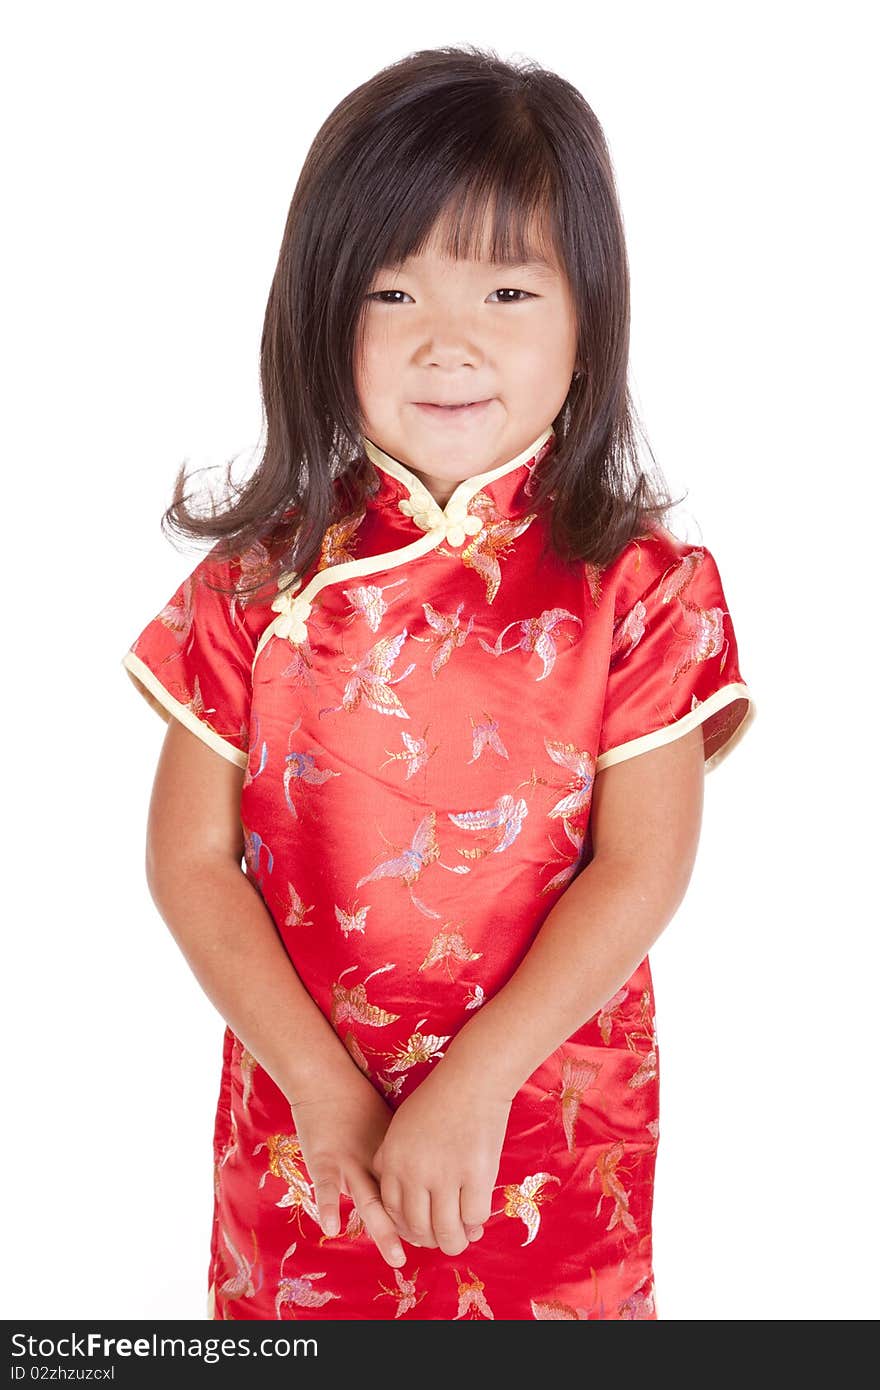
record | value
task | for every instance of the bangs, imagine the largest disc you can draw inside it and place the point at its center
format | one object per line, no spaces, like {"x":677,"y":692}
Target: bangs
{"x":488,"y":219}
{"x":465,"y":164}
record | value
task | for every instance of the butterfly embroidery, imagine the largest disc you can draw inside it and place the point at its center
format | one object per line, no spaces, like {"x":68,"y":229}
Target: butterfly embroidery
{"x":296,"y":917}
{"x":523,"y":1199}
{"x":241,"y":1283}
{"x":371,"y":680}
{"x":582,"y":764}
{"x":536,"y":635}
{"x":299,"y":1290}
{"x":405,"y":1293}
{"x":338,"y":540}
{"x":446,"y":945}
{"x":577,"y":1078}
{"x":506,"y":817}
{"x":487,"y":736}
{"x":368,"y":602}
{"x":448,"y":634}
{"x":408,"y":865}
{"x":352,"y":1004}
{"x":607,"y":1164}
{"x":471,"y":1298}
{"x":420,"y":1047}
{"x":416,"y":753}
{"x":492,"y":542}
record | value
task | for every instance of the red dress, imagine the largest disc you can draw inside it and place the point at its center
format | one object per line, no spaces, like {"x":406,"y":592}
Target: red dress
{"x":435,"y":668}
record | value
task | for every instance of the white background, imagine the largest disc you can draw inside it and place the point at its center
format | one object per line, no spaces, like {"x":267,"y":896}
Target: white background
{"x":151,"y":152}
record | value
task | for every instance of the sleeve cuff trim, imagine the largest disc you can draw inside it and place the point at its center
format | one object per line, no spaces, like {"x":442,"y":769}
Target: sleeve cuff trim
{"x":154,"y":692}
{"x":729,"y":736}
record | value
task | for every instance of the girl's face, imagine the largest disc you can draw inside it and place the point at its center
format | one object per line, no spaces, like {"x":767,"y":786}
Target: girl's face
{"x":441,"y":333}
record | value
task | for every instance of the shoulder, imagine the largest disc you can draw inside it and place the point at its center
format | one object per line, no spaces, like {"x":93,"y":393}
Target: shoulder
{"x":644,"y":562}
{"x":235,"y":588}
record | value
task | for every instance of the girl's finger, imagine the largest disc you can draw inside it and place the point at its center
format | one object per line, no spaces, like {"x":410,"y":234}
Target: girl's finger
{"x":379,"y":1226}
{"x":392,"y":1200}
{"x":327,"y":1200}
{"x":476,"y":1208}
{"x":446,"y":1220}
{"x":417,"y":1216}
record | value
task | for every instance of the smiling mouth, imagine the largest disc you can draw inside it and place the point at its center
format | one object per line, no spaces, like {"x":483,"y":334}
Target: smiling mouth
{"x":464,"y":405}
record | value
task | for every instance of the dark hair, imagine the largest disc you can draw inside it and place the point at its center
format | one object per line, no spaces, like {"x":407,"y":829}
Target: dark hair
{"x":434,"y":138}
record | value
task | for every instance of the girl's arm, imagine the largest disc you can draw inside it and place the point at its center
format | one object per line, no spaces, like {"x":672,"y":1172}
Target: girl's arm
{"x":645,"y":822}
{"x":440,"y":1156}
{"x":226,"y":933}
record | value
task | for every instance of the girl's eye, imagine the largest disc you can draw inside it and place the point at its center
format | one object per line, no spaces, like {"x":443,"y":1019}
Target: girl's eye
{"x":513,"y":301}
{"x":378,"y":294}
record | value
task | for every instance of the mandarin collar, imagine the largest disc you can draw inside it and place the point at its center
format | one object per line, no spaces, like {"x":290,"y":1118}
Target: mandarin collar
{"x":507,"y":487}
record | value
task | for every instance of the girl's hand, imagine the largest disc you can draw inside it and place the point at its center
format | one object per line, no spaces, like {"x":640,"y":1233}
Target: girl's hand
{"x":338,"y":1132}
{"x":439,"y":1159}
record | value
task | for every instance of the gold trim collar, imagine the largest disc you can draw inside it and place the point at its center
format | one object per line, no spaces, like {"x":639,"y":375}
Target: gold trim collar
{"x":454,"y":519}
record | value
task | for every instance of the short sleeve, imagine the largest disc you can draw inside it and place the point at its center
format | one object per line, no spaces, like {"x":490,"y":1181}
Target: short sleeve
{"x":674,"y":662}
{"x":193,"y":661}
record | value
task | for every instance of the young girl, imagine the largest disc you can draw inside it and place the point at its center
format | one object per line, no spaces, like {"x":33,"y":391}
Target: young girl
{"x":464,"y":685}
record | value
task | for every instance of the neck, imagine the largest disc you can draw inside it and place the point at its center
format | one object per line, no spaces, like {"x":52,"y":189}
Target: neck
{"x":441,"y":492}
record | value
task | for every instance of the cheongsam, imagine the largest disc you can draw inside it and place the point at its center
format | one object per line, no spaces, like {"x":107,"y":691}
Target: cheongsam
{"x":436,"y":670}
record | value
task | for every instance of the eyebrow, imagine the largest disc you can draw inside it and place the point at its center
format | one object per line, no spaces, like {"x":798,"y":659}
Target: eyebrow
{"x":509,"y":263}
{"x":516,"y":262}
